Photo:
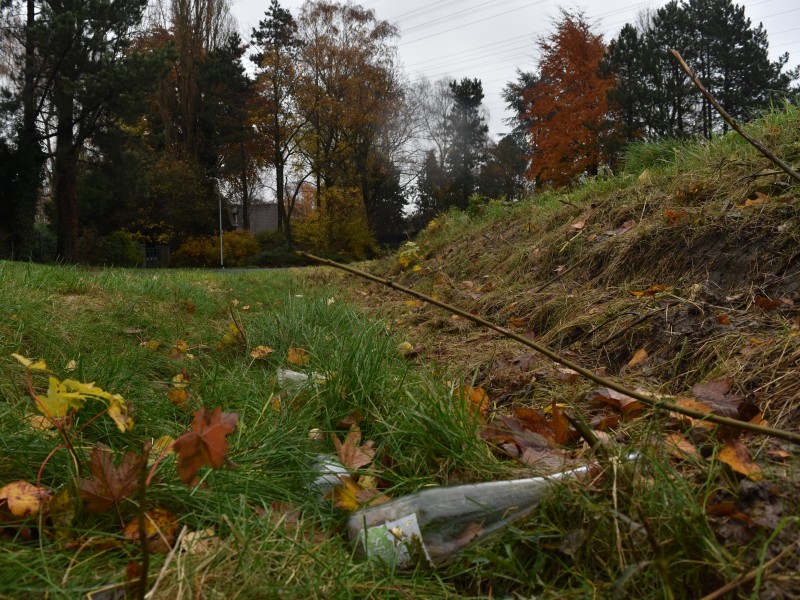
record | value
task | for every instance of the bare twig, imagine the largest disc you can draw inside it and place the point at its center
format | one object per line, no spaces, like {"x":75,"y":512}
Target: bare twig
{"x":643,"y":398}
{"x":730,"y":120}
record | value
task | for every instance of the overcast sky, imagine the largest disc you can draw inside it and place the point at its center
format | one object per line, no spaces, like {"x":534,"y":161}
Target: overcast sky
{"x":490,"y":39}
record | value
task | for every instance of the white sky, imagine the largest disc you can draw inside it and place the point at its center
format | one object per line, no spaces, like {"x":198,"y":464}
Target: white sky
{"x":490,"y":39}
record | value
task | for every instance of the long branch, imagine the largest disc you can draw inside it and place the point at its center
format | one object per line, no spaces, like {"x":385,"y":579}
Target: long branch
{"x":644,"y":399}
{"x":730,"y":120}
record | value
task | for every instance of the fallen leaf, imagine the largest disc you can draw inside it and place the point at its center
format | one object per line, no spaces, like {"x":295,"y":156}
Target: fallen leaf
{"x":189,"y":307}
{"x":414,"y":303}
{"x":716,"y":394}
{"x":622,"y":402}
{"x":180,"y":347}
{"x":564,"y":375}
{"x":766,"y":304}
{"x":517,"y":322}
{"x":160,"y":527}
{"x":405,"y":349}
{"x":299,"y":356}
{"x":24,"y":499}
{"x":724,"y":319}
{"x":206,"y":443}
{"x":679,"y":447}
{"x":579,"y":224}
{"x":352,"y":454}
{"x":160,"y":446}
{"x":693,"y":404}
{"x":200,"y":542}
{"x":152,"y":345}
{"x":651,"y":291}
{"x":476,"y":399}
{"x":779,"y":455}
{"x":673,"y":217}
{"x":109,"y":484}
{"x":261,"y":352}
{"x":736,"y":455}
{"x":561,"y":429}
{"x":40,"y":423}
{"x":638,"y":358}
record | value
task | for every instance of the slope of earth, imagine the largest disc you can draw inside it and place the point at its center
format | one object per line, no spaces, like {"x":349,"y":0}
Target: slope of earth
{"x":680,"y":277}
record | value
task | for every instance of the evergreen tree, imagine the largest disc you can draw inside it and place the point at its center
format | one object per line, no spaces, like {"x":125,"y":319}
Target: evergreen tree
{"x":654,"y":97}
{"x":431,"y":190}
{"x":468,"y":131}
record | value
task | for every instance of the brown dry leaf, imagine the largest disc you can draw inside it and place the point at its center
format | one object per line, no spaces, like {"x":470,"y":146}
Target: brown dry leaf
{"x":109,"y":484}
{"x":351,"y":453}
{"x":564,"y":375}
{"x":476,"y":399}
{"x":561,"y":429}
{"x":779,"y":455}
{"x":674,"y":217}
{"x":638,"y":358}
{"x":766,"y":304}
{"x":414,"y":303}
{"x":261,"y":352}
{"x":299,"y":356}
{"x":625,"y":404}
{"x":40,"y":423}
{"x":579,"y":224}
{"x":679,"y":447}
{"x":160,"y":527}
{"x":724,"y":319}
{"x":189,"y":307}
{"x":517,"y":323}
{"x":651,"y":291}
{"x":716,"y":394}
{"x":693,"y":404}
{"x":551,"y":459}
{"x":206,"y":443}
{"x":760,"y":198}
{"x":736,"y":455}
{"x":24,"y":499}
{"x":178,"y":396}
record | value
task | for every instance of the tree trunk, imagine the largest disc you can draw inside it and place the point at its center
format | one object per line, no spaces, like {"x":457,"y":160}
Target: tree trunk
{"x":245,"y":189}
{"x":28,"y":150}
{"x":66,"y":176}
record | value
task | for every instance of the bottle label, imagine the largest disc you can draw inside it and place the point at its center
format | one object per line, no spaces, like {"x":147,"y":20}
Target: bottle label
{"x":396,"y":543}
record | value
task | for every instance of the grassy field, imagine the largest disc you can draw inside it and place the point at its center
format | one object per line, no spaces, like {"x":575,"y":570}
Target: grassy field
{"x":673,"y":525}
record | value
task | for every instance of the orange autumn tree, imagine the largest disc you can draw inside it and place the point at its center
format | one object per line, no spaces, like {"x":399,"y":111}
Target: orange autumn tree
{"x":565,"y":109}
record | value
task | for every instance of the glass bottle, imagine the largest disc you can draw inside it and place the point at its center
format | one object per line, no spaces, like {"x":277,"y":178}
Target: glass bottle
{"x":434,"y":524}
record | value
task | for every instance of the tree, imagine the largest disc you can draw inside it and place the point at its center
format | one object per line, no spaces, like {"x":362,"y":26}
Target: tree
{"x":276,"y":59}
{"x":349,"y":95}
{"x":503,"y":173}
{"x":468,"y":131}
{"x":84,"y":49}
{"x":654,"y":96}
{"x":567,"y":110}
{"x":431,"y":190}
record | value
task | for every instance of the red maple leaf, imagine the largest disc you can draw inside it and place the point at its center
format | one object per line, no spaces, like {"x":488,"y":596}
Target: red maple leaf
{"x":109,"y":484}
{"x":205,"y":444}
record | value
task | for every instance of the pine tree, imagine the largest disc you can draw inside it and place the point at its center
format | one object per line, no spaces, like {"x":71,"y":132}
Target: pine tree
{"x":468,"y":131}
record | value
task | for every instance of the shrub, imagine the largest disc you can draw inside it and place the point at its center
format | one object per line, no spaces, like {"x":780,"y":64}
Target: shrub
{"x":238,"y":248}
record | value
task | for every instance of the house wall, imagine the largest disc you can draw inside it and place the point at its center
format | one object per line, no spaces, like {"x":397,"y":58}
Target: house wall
{"x":263,"y":217}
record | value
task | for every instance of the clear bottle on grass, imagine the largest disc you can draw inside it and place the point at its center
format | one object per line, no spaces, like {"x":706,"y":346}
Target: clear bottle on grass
{"x":434,"y":524}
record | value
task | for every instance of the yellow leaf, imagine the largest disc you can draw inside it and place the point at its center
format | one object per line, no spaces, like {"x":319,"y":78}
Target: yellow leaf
{"x":180,"y":381}
{"x":178,"y":396}
{"x":261,"y":352}
{"x":638,"y":357}
{"x":160,"y":527}
{"x":24,"y":499}
{"x":118,"y":411}
{"x":152,"y":345}
{"x":59,"y":399}
{"x":405,"y":348}
{"x":40,"y":423}
{"x":38,"y":365}
{"x":161,"y":445}
{"x":736,"y":455}
{"x":346,"y":495}
{"x":179,"y":348}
